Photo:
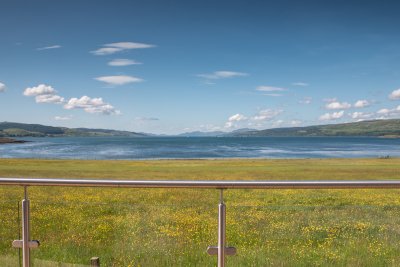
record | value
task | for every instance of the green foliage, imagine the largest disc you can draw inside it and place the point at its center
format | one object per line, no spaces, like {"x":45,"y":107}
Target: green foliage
{"x":12,"y":129}
{"x":363,"y":128}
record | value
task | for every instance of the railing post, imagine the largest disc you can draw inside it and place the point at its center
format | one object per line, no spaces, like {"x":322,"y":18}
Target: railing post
{"x":221,"y":230}
{"x":25,"y":230}
{"x":95,"y":262}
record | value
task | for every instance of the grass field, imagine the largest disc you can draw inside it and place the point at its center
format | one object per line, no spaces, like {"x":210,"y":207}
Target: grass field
{"x":173,"y":227}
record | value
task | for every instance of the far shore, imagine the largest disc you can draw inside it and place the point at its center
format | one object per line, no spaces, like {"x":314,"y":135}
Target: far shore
{"x":4,"y":140}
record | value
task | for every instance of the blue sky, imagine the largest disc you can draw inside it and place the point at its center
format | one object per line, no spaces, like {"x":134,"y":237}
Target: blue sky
{"x":177,"y":66}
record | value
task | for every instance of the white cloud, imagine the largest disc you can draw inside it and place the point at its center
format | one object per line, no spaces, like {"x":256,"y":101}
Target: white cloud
{"x":338,"y":105}
{"x":361,"y":104}
{"x":112,"y":48}
{"x":222,"y":75}
{"x":266,"y":114}
{"x":306,"y":100}
{"x":277,"y":123}
{"x":395,"y":95}
{"x":295,"y":122}
{"x":331,"y":116}
{"x":50,"y":98}
{"x":123,"y":62}
{"x":41,"y":89}
{"x":264,"y":88}
{"x":91,"y":105}
{"x":63,"y":118}
{"x":237,"y":117}
{"x":49,"y":47}
{"x":118,"y":80}
{"x":300,"y":84}
{"x":383,"y":111}
{"x":2,"y":87}
{"x":361,"y":115}
{"x":234,"y":120}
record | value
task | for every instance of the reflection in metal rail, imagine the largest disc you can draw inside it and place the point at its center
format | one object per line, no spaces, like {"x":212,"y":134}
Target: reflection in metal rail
{"x":221,"y":249}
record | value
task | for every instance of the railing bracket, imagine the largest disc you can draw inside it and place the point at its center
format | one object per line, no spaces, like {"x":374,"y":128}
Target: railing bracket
{"x":229,"y":251}
{"x":31,"y":244}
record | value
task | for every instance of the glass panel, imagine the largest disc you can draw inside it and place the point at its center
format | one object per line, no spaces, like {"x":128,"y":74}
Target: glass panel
{"x":9,"y":226}
{"x":123,"y":227}
{"x":290,"y":231}
{"x":160,"y":227}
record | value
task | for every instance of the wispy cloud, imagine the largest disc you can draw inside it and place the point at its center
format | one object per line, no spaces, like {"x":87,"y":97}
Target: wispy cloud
{"x":63,"y":118}
{"x":265,"y":88}
{"x":123,"y":62}
{"x":2,"y":87}
{"x":222,"y":75}
{"x":306,"y":100}
{"x":331,"y":116}
{"x":300,"y":84}
{"x":330,"y":100}
{"x":112,"y":48}
{"x":48,"y":47}
{"x":266,"y":114}
{"x":144,"y":119}
{"x":338,"y":105}
{"x":118,"y":79}
{"x":361,"y":104}
{"x":91,"y":105}
{"x":273,"y":95}
{"x":395,"y":95}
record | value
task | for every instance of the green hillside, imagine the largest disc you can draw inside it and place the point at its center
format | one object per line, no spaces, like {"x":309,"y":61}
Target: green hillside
{"x":12,"y":129}
{"x":384,"y":128}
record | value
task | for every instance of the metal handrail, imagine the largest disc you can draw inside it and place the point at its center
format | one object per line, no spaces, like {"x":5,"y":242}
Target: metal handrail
{"x":221,"y":250}
{"x":216,"y":184}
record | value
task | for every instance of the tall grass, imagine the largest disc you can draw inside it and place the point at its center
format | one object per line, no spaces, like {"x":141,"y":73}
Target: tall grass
{"x":173,"y":227}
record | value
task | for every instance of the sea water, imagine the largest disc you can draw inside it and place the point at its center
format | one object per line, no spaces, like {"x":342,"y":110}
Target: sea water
{"x":201,"y":147}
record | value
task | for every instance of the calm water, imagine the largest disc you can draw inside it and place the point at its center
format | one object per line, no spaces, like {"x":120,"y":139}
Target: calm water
{"x":198,"y":147}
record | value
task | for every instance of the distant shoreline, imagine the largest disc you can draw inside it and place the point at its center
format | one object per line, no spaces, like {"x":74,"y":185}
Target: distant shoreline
{"x":11,"y":141}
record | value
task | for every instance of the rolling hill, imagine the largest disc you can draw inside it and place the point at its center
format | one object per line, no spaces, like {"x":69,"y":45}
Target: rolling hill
{"x":13,"y":129}
{"x":381,"y":128}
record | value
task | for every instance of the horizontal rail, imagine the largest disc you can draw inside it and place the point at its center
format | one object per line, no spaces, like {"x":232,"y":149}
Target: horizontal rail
{"x":311,"y":184}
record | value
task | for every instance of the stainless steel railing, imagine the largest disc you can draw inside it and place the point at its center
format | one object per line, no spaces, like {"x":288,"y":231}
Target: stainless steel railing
{"x":220,"y":250}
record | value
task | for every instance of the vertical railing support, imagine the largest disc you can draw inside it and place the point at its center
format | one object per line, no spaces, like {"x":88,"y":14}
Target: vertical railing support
{"x":26,"y":244}
{"x":221,"y":230}
{"x":221,"y":250}
{"x":25,"y":229}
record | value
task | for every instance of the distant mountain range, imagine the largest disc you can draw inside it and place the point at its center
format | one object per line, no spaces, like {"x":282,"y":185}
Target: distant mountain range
{"x":380,"y":128}
{"x":216,"y":133}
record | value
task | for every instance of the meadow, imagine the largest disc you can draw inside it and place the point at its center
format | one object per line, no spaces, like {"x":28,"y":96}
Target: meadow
{"x":173,"y":227}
